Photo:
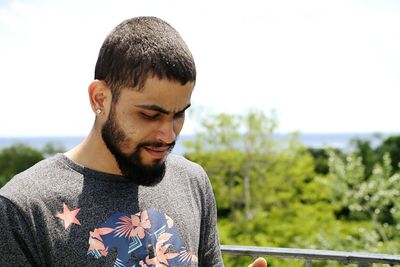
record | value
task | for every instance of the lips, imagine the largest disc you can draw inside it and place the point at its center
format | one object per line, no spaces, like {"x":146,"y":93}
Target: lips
{"x":157,"y":152}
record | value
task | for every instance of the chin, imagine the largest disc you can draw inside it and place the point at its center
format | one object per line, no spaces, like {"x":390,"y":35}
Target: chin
{"x":153,"y":162}
{"x":150,"y":161}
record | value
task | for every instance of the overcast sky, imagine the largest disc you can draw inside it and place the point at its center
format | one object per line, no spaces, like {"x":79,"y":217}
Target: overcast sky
{"x":324,"y":66}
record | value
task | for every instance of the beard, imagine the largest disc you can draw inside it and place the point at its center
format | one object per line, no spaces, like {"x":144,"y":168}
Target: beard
{"x":131,"y":165}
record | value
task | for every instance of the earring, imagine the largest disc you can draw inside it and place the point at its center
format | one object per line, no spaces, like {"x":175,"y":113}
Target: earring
{"x":98,"y":111}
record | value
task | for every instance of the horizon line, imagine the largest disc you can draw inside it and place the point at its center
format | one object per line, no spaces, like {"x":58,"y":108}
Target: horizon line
{"x":193,"y":134}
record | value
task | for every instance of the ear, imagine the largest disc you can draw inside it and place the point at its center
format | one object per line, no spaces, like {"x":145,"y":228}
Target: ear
{"x":100,"y":96}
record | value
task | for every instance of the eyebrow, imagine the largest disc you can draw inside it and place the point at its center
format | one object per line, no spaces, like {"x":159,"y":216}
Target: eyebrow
{"x":160,"y":109}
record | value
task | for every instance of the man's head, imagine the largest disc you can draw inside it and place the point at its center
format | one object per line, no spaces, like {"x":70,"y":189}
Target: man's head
{"x":144,"y":79}
{"x":142,"y":47}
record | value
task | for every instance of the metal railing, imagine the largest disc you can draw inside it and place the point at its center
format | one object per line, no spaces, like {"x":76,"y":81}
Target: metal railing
{"x":309,"y":255}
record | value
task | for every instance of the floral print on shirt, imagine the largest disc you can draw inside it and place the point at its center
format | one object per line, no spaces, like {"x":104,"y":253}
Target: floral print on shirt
{"x":144,"y":239}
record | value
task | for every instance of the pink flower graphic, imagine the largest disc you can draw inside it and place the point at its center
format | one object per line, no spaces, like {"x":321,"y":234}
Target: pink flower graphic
{"x":162,"y":255}
{"x":142,"y":264}
{"x":170,"y":222}
{"x":186,"y":256}
{"x":96,"y":242}
{"x":133,"y":225}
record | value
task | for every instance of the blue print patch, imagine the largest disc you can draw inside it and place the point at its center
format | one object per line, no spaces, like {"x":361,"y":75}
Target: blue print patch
{"x":147,"y":238}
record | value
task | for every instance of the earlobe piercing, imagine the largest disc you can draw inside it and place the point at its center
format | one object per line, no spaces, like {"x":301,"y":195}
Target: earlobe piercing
{"x":98,"y":111}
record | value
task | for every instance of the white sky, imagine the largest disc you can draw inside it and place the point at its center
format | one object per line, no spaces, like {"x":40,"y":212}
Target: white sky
{"x":324,"y":66}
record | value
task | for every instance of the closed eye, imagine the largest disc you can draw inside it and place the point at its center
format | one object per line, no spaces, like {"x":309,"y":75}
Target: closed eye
{"x":150,"y":117}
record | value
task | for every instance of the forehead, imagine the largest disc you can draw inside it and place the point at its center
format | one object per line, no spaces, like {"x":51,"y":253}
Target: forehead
{"x":168,"y":94}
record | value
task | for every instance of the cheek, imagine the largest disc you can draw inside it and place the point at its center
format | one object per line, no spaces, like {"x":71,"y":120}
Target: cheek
{"x":137,"y":131}
{"x":130,"y":131}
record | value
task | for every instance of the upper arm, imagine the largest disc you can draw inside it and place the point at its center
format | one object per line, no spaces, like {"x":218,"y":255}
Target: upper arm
{"x":209,"y":249}
{"x":17,"y":245}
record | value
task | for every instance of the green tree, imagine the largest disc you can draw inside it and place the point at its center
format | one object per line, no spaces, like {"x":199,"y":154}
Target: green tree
{"x":390,"y":145}
{"x":321,"y":158}
{"x":241,"y":148}
{"x":50,"y":149}
{"x":276,"y":192}
{"x":363,"y":149}
{"x":265,"y":187}
{"x":372,"y":199}
{"x":15,"y":159}
{"x":370,"y":155}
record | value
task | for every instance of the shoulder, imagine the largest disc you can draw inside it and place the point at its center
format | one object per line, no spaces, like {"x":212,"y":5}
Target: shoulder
{"x":180,"y":165}
{"x":181,"y":171}
{"x":32,"y":181}
{"x":43,"y":168}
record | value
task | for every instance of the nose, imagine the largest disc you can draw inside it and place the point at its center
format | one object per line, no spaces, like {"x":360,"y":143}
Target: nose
{"x":166,"y":132}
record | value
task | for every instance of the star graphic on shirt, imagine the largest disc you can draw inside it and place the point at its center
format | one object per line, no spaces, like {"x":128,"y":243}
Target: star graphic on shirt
{"x":68,"y":216}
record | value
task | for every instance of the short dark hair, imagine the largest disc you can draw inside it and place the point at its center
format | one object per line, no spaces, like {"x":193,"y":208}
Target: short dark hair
{"x":141,"y":47}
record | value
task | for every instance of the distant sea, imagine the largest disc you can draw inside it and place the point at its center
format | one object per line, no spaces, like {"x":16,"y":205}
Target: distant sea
{"x":315,"y":140}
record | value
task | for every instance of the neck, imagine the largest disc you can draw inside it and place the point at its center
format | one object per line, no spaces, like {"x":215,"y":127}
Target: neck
{"x":93,"y":153}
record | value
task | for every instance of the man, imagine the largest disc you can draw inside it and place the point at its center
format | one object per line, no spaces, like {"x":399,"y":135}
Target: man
{"x":119,"y":198}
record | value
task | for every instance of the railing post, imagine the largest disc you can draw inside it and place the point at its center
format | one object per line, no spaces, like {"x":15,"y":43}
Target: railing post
{"x":308,"y":263}
{"x":364,"y":264}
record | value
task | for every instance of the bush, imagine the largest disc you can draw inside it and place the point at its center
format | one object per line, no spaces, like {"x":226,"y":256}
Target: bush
{"x":15,"y":159}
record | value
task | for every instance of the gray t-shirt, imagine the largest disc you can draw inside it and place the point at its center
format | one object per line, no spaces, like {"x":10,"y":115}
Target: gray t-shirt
{"x":58,"y":213}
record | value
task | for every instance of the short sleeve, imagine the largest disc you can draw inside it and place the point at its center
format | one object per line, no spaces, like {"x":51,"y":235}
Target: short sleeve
{"x":17,"y":245}
{"x":209,"y":249}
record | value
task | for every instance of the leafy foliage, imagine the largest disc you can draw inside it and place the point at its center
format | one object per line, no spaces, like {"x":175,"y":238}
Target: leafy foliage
{"x":373,"y":199}
{"x":51,"y":149}
{"x":262,"y":184}
{"x":392,"y":146}
{"x":278,"y":193}
{"x":19,"y":157}
{"x":15,"y":159}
